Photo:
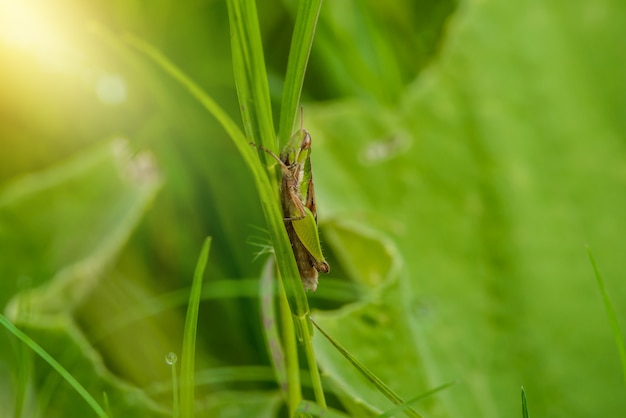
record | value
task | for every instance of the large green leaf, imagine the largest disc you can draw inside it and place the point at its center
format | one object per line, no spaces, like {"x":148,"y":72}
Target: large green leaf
{"x":493,"y":169}
{"x":82,"y":213}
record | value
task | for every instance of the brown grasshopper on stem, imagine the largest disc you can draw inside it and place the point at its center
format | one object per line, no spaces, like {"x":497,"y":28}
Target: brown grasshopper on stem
{"x":299,"y":210}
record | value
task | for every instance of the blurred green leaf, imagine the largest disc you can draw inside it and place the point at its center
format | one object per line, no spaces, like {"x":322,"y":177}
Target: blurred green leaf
{"x":83,"y":211}
{"x":489,"y":173}
{"x":366,"y":256}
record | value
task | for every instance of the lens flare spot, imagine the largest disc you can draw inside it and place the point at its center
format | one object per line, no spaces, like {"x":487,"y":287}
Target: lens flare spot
{"x":111,"y":89}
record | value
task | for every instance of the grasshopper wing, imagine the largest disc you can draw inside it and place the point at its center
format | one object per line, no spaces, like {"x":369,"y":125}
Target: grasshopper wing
{"x":306,"y":230}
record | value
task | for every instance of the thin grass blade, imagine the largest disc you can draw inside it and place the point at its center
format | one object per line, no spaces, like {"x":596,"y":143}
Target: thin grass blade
{"x":187,"y":367}
{"x":292,"y":362}
{"x":107,"y":405}
{"x":55,"y":365}
{"x":610,"y":312}
{"x":250,"y":73}
{"x":301,"y":43}
{"x":401,"y":408}
{"x":379,"y":384}
{"x":196,"y":91}
{"x":171,"y":359}
{"x":270,"y":326}
{"x":524,"y":404}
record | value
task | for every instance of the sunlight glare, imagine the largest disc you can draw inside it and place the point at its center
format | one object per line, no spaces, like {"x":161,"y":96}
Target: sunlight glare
{"x":22,"y":26}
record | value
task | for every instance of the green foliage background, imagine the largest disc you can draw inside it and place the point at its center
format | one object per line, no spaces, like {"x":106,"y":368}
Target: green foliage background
{"x":464,"y":153}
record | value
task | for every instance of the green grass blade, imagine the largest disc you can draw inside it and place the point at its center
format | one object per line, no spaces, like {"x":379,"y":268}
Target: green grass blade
{"x":55,"y":365}
{"x":196,"y":91}
{"x":254,"y":100}
{"x":171,"y":359}
{"x":107,"y":405}
{"x":25,"y":365}
{"x":524,"y":404}
{"x":239,"y":139}
{"x":250,"y":73}
{"x":187,"y":367}
{"x":401,"y":408}
{"x":301,"y":42}
{"x":610,"y":312}
{"x":316,"y":382}
{"x":267,"y":191}
{"x":380,"y":385}
{"x":294,"y":389}
{"x":270,"y":327}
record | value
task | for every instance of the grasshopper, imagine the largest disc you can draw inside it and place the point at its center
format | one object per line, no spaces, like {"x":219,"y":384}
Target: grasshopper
{"x":299,"y":210}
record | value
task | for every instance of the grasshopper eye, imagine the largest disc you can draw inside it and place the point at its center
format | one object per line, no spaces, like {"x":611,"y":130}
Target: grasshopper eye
{"x":306,"y":142}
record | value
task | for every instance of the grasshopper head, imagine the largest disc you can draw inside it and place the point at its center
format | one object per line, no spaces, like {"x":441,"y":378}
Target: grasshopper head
{"x":297,"y":149}
{"x":305,"y":145}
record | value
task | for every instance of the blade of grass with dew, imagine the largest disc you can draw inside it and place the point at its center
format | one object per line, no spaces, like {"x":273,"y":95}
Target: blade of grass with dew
{"x":380,"y":385}
{"x":170,"y":360}
{"x":187,"y":367}
{"x":524,"y":404}
{"x":55,"y":365}
{"x":610,"y":312}
{"x":301,"y":43}
{"x":401,"y":408}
